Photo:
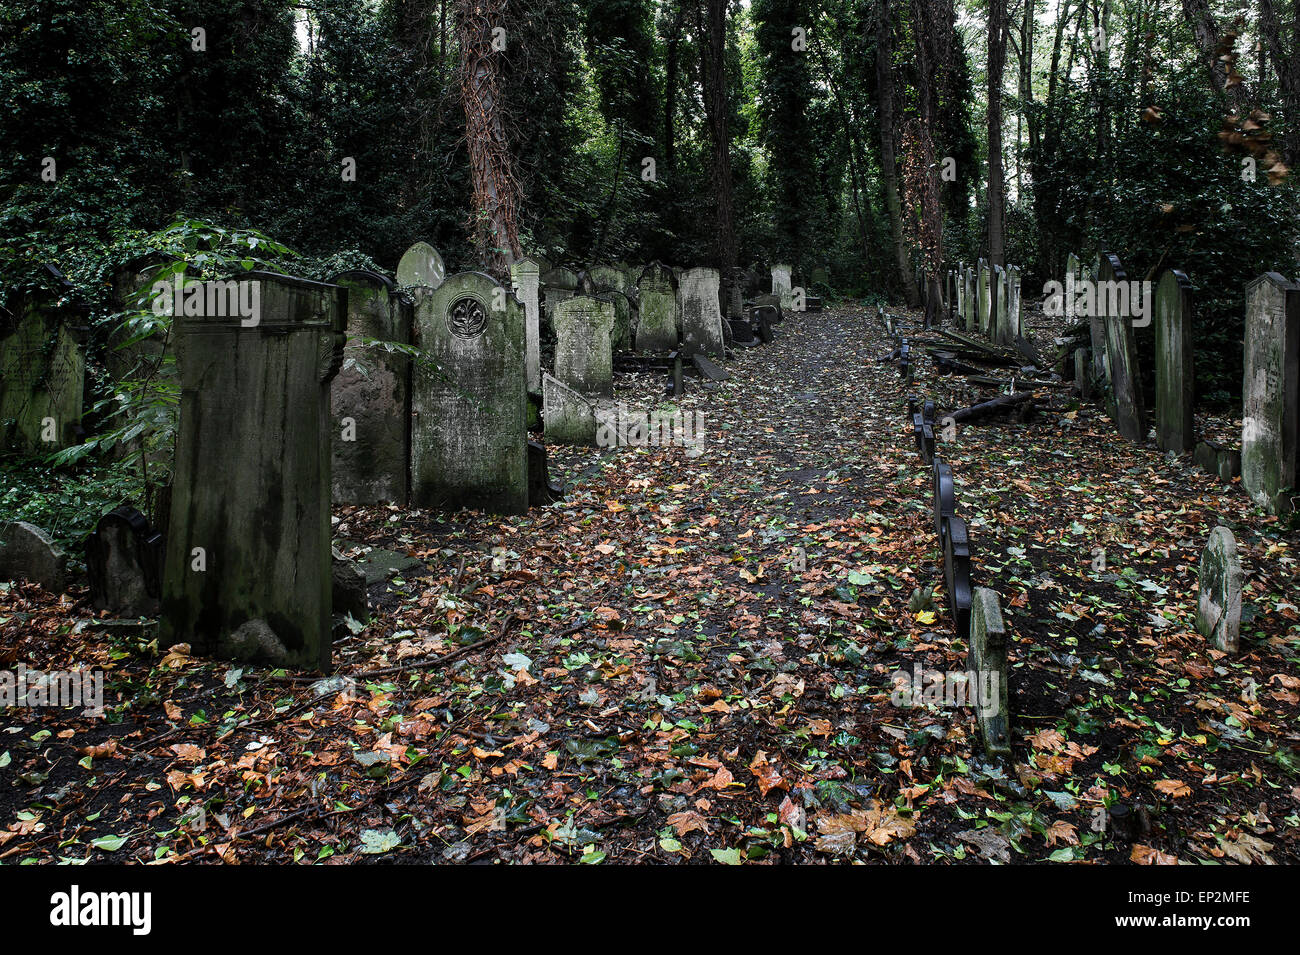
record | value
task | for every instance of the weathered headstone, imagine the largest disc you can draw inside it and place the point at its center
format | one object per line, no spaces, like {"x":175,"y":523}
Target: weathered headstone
{"x":1174,"y":372}
{"x":1218,"y":604}
{"x":124,"y":558}
{"x":1127,"y":401}
{"x":998,"y":305}
{"x":583,"y":357}
{"x":248,"y":542}
{"x":701,"y":314}
{"x":1013,"y":326}
{"x":558,"y":284}
{"x":1270,"y":429}
{"x":469,"y":398}
{"x":985,"y":294}
{"x":568,"y":416}
{"x":371,"y":395}
{"x":956,"y":570}
{"x":988,"y":656}
{"x":422,"y":266}
{"x":657,"y":304}
{"x":42,"y":370}
{"x":1097,"y":327}
{"x":28,"y":553}
{"x":781,"y":285}
{"x":526,"y":278}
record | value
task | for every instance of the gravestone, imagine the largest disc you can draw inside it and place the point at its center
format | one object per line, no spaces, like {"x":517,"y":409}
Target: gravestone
{"x":371,"y":395}
{"x":247,"y":572}
{"x":568,"y":416}
{"x":124,"y":558}
{"x":421,"y":266}
{"x":656,"y":328}
{"x":558,"y":284}
{"x":42,"y":370}
{"x":998,"y":305}
{"x":1270,"y":430}
{"x":945,"y":498}
{"x":469,"y":398}
{"x":959,"y":291}
{"x":782,"y":287}
{"x":28,"y":553}
{"x":1128,"y":405}
{"x":1174,"y":371}
{"x":1218,"y":604}
{"x":583,"y":357}
{"x":764,"y":317}
{"x":988,"y":661}
{"x":620,"y":331}
{"x":985,"y":293}
{"x":701,"y":314}
{"x":608,"y":278}
{"x":1097,"y":327}
{"x":526,"y":278}
{"x":1014,"y":327}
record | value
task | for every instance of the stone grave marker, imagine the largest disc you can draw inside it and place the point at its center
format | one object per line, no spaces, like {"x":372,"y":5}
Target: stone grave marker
{"x":247,"y":572}
{"x":421,"y":266}
{"x":558,"y":284}
{"x":583,"y":356}
{"x":956,"y":571}
{"x":988,"y":655}
{"x":998,"y":306}
{"x":28,"y":553}
{"x":701,"y":313}
{"x":526,"y":276}
{"x":1128,"y":404}
{"x":985,"y":297}
{"x":1014,"y":327}
{"x":1218,"y":605}
{"x":782,"y":285}
{"x":1270,"y":431}
{"x":657,"y":325}
{"x":568,"y":416}
{"x":371,"y":395}
{"x":1174,"y":371}
{"x":124,"y":557}
{"x":469,"y":398}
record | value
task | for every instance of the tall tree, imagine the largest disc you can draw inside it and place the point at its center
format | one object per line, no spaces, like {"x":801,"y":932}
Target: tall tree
{"x":480,"y":26}
{"x":885,"y":101}
{"x":997,"y":56}
{"x":713,"y":70}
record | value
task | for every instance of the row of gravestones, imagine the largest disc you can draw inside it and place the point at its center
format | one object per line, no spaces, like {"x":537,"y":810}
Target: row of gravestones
{"x":985,"y":299}
{"x":1269,"y":460}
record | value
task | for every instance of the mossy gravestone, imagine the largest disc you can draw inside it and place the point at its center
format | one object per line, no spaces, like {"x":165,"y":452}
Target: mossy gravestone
{"x":124,"y":559}
{"x":370,"y":396}
{"x":782,"y":285}
{"x":583,"y":356}
{"x":469,"y":398}
{"x":657,"y":328}
{"x":421,"y":266}
{"x":526,"y":278}
{"x":1174,"y":372}
{"x":701,"y":312}
{"x":985,"y":299}
{"x":1127,"y":404}
{"x":247,"y":572}
{"x":1218,"y":605}
{"x":558,"y":284}
{"x":42,"y":371}
{"x":1270,"y":427}
{"x":988,"y":663}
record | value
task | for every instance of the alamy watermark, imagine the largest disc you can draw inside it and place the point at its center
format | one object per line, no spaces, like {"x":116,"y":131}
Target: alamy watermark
{"x":950,"y":688}
{"x":621,"y":428}
{"x":231,"y":298}
{"x":59,"y":689}
{"x":1085,"y":298}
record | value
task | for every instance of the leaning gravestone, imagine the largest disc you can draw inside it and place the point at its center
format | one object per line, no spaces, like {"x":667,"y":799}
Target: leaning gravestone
{"x":526,"y":278}
{"x":1128,"y":406}
{"x":988,"y":656}
{"x":1174,"y":371}
{"x":1013,"y":328}
{"x":421,"y":266}
{"x":701,"y":313}
{"x":124,"y":558}
{"x":470,"y":399}
{"x":1097,"y":324}
{"x":1270,"y":429}
{"x":28,"y":553}
{"x":657,"y":328}
{"x":371,"y":395}
{"x":248,"y":543}
{"x":781,"y":285}
{"x":1218,"y":605}
{"x":568,"y":416}
{"x":583,"y":356}
{"x":42,"y":370}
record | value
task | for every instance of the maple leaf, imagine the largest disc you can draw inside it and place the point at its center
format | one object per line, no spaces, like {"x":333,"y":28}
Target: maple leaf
{"x":687,"y":821}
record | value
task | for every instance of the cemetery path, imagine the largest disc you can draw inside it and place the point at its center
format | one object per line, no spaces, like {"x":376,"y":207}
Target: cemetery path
{"x":690,"y":658}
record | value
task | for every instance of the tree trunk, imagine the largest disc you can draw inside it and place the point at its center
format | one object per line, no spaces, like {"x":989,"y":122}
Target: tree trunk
{"x":1288,"y":74}
{"x":495,"y":212}
{"x":997,"y":52}
{"x":713,"y":48}
{"x":888,"y":139}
